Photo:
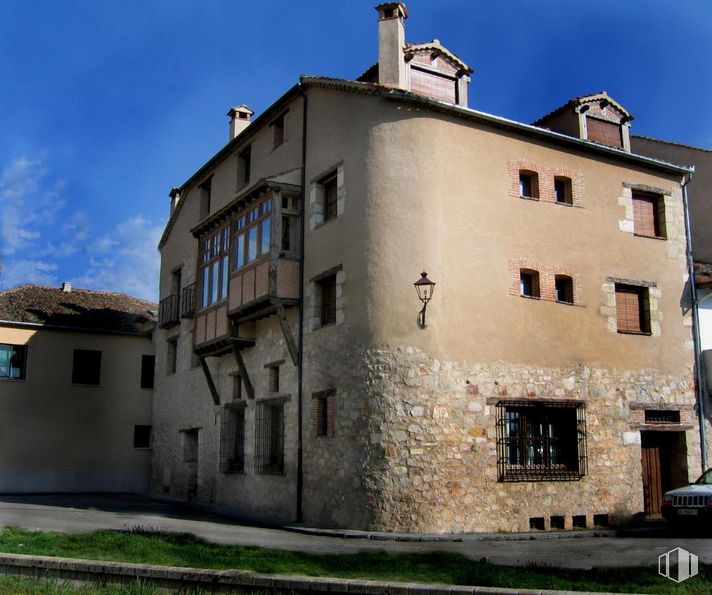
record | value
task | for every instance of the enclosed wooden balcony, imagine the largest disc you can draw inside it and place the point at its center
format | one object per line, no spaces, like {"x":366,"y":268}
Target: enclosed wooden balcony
{"x":248,"y":265}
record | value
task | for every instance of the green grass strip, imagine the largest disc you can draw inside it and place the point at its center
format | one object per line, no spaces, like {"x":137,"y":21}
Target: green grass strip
{"x":173,"y":549}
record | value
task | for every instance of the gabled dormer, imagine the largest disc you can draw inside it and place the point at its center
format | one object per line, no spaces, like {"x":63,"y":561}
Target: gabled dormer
{"x":428,"y":69}
{"x":598,"y":118}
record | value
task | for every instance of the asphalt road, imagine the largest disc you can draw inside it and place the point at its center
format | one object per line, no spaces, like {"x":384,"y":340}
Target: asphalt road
{"x":78,"y":513}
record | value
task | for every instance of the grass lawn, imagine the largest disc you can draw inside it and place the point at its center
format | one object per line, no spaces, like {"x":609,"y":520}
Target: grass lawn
{"x":168,"y":549}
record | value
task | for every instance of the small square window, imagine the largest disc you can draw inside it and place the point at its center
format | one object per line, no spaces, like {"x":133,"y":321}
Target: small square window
{"x":142,"y":437}
{"x":564,"y":289}
{"x":86,"y":367}
{"x":13,"y":360}
{"x":327,"y":300}
{"x":148,"y":364}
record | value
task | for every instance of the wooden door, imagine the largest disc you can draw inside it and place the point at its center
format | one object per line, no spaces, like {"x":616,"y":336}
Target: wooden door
{"x":652,"y":483}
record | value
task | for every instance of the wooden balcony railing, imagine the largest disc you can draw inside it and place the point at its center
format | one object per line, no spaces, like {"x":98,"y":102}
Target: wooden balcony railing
{"x":168,"y":311}
{"x":187,"y":309}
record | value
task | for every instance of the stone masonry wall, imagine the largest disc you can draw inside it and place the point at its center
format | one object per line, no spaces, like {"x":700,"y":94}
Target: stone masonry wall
{"x":431,"y":459}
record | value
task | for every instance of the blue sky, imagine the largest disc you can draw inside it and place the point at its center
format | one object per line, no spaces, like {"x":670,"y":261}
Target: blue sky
{"x":105,"y":106}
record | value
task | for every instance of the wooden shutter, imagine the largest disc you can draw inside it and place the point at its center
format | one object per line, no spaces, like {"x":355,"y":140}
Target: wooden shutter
{"x":606,"y":133}
{"x":432,"y":85}
{"x":628,"y":309}
{"x":644,"y":215}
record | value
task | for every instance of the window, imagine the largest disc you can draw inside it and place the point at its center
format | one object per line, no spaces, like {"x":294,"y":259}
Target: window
{"x":236,"y":387}
{"x":269,"y":436}
{"x":205,"y":192}
{"x":562,"y":191}
{"x":142,"y":437}
{"x":190,"y":445}
{"x":541,"y":441}
{"x":327,"y":299}
{"x":649,"y":215}
{"x":232,"y":439}
{"x":606,"y":133}
{"x":290,"y":226}
{"x":632,"y":309}
{"x":278,"y":130}
{"x":171,"y":355}
{"x":323,"y":414}
{"x":214,"y":270}
{"x":662,"y":416}
{"x":13,"y":359}
{"x":86,"y":368}
{"x":148,"y":363}
{"x":564,"y":289}
{"x":252,"y":234}
{"x":244,"y":164}
{"x":273,"y":378}
{"x":528,"y":184}
{"x":329,"y":194}
{"x":529,"y":283}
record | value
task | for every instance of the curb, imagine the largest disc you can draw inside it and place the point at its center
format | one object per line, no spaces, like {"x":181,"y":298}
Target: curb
{"x":447,"y":537}
{"x":216,"y":581}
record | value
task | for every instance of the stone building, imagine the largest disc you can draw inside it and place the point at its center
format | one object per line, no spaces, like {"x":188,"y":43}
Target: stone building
{"x":295,"y":379}
{"x":76,"y":388}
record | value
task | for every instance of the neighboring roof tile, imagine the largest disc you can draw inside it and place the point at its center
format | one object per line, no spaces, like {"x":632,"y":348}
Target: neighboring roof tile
{"x":76,"y":309}
{"x":437,"y":47}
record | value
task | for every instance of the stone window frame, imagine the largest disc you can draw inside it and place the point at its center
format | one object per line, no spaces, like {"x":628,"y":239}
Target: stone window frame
{"x":625,"y":200}
{"x":317,"y":196}
{"x":268,"y":462}
{"x":609,"y":310}
{"x":313,"y":298}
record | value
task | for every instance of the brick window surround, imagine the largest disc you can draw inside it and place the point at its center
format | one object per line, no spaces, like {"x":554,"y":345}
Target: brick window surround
{"x":548,"y":283}
{"x":534,"y":181}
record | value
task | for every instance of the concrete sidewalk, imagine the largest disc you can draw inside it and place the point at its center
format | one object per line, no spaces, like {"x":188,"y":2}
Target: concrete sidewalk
{"x":81,"y":513}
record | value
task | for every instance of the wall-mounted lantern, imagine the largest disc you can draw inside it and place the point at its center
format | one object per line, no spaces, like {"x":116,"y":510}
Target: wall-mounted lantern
{"x":425,"y":288}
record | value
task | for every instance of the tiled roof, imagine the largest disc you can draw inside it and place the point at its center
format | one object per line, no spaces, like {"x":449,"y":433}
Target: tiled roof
{"x":584,"y":99}
{"x":76,"y":309}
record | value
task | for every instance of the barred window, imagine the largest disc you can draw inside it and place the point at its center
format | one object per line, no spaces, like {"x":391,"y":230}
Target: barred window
{"x":327,"y":300}
{"x":232,"y":438}
{"x":541,"y":441}
{"x":269,"y":436}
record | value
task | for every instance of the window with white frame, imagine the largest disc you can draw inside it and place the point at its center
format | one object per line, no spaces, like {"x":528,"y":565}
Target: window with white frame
{"x":214,"y":270}
{"x":252,"y":233}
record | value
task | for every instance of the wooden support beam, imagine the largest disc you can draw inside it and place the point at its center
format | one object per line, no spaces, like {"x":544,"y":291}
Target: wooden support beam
{"x":209,"y":380}
{"x":245,"y":377}
{"x":288,"y":337}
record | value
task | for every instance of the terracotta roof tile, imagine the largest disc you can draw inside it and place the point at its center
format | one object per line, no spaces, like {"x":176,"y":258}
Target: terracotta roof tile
{"x":78,"y":309}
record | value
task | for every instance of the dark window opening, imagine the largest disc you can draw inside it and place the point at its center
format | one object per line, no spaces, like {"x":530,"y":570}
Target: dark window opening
{"x":564,"y":289}
{"x":330,"y":191}
{"x":148,"y":364}
{"x":273,"y":379}
{"x":327,"y":295}
{"x":142,"y":437}
{"x":541,"y":442}
{"x":171,"y":355}
{"x":556,"y":522}
{"x":529,"y":283}
{"x":562,"y":190}
{"x":579,"y":521}
{"x":536,"y":523}
{"x":322,"y":416}
{"x":232,"y":440}
{"x":86,"y":368}
{"x":600,"y":520}
{"x":244,"y":164}
{"x":528,"y":184}
{"x":278,"y":131}
{"x":205,"y":194}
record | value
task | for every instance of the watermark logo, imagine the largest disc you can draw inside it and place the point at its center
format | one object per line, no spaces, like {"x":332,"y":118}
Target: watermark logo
{"x":678,"y":565}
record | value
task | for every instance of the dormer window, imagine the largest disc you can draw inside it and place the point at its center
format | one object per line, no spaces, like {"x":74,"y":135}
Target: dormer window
{"x":604,"y":132}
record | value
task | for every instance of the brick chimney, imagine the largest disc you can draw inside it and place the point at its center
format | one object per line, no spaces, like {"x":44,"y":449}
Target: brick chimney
{"x":239,"y":120}
{"x":391,"y":41}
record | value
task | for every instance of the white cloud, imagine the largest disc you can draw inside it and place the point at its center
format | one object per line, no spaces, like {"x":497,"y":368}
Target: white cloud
{"x":27,"y":271}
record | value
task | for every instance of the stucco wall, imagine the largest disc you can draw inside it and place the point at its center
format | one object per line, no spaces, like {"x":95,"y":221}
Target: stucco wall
{"x":56,"y":436}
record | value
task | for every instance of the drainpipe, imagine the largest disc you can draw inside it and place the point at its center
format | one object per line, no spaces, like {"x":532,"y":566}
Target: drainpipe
{"x":300,"y":346}
{"x":701,"y":385}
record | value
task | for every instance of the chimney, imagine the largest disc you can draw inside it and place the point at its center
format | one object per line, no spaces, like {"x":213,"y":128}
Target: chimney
{"x":239,"y":120}
{"x":67,"y":287}
{"x":175,"y":198}
{"x":391,"y":42}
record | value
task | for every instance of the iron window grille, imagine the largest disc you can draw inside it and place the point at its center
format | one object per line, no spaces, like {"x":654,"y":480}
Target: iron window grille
{"x":665,"y":416}
{"x":539,"y":441}
{"x":269,"y":436}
